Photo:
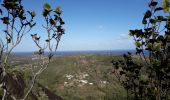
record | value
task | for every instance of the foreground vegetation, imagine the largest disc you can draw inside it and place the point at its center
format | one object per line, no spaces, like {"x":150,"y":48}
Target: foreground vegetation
{"x":149,"y":80}
{"x":16,"y":22}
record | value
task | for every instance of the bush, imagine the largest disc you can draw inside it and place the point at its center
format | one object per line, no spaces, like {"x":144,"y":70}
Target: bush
{"x":149,"y":79}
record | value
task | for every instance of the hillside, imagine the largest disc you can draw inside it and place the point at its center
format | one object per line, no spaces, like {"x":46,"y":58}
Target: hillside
{"x":82,"y":77}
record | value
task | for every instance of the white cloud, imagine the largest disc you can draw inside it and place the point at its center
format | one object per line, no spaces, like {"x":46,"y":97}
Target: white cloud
{"x":123,"y":37}
{"x":122,"y":41}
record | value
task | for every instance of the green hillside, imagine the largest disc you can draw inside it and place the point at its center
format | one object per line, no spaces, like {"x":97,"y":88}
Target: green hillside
{"x":82,"y":77}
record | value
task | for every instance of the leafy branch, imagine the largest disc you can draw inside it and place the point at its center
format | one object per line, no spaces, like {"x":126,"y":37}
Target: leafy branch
{"x":54,"y":32}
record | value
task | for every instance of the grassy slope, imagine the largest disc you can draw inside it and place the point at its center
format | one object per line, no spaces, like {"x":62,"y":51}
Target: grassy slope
{"x":98,"y":67}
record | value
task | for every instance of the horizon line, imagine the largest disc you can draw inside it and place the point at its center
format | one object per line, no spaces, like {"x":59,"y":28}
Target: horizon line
{"x":80,"y":50}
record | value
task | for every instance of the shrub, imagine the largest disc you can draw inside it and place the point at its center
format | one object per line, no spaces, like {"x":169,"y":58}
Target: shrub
{"x":149,"y":77}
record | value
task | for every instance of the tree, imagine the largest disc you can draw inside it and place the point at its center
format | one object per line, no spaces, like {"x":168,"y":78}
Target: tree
{"x":17,"y":22}
{"x":147,"y":75}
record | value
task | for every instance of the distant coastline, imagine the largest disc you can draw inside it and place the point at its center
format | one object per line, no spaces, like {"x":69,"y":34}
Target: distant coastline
{"x":61,"y":53}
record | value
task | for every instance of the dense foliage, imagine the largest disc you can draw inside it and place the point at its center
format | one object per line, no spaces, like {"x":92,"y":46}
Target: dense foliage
{"x":147,"y":75}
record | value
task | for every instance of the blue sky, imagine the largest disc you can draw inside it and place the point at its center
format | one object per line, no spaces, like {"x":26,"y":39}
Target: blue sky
{"x":91,"y":24}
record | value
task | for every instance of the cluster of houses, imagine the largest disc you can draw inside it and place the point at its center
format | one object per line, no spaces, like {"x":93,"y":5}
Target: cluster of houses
{"x":80,"y":80}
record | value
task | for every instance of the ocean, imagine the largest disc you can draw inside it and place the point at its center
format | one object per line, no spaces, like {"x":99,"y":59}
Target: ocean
{"x":62,"y":53}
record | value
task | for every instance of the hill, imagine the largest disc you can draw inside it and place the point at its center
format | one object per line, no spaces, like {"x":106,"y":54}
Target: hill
{"x":82,"y":77}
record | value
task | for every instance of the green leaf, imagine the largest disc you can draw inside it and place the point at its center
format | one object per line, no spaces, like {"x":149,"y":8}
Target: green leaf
{"x":148,"y":14}
{"x":33,"y":14}
{"x":47,"y":7}
{"x":160,"y":18}
{"x":156,"y":46}
{"x":166,"y":10}
{"x":5,"y":20}
{"x":153,"y":3}
{"x":131,"y":33}
{"x":52,"y":22}
{"x":143,"y":78}
{"x":45,"y":13}
{"x":58,"y":10}
{"x":138,"y":44}
{"x":149,"y":45}
{"x":166,"y":5}
{"x":61,"y":21}
{"x":153,"y":21}
{"x":62,"y":30}
{"x":144,"y":21}
{"x":158,"y":9}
